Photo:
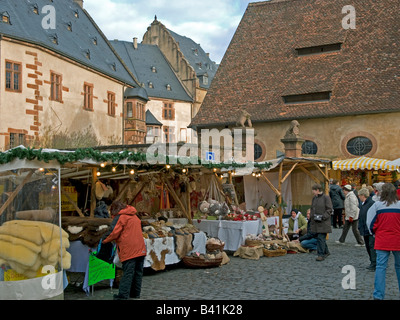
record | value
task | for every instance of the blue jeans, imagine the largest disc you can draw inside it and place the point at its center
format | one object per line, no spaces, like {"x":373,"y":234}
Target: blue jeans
{"x":310,"y":244}
{"x":382,"y":257}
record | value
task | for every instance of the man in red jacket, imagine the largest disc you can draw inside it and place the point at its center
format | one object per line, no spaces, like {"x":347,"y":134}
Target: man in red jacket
{"x":131,"y":249}
{"x":383,"y":220}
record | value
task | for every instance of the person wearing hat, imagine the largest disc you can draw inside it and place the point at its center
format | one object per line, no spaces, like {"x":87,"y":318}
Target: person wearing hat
{"x":352,"y":211}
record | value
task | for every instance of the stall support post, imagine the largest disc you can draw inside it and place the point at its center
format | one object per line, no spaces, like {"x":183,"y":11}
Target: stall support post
{"x":93,"y":192}
{"x":280,"y":199}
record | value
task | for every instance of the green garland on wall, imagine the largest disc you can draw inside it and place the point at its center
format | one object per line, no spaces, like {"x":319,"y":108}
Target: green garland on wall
{"x":64,"y":157}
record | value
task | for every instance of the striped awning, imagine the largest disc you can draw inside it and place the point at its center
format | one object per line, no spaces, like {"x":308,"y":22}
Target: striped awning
{"x":363,"y":163}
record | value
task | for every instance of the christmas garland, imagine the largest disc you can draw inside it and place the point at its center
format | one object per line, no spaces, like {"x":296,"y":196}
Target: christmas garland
{"x":140,"y":158}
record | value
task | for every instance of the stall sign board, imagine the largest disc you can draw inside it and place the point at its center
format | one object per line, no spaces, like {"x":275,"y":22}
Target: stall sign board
{"x":46,"y":200}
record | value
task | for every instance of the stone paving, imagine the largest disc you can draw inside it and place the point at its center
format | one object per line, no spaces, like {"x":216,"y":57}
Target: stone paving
{"x":293,"y":276}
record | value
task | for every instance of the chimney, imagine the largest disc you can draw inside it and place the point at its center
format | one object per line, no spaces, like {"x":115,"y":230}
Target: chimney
{"x":80,"y":2}
{"x":135,"y":43}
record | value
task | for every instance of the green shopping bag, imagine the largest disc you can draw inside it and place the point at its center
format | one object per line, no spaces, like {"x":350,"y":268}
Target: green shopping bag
{"x":99,"y":270}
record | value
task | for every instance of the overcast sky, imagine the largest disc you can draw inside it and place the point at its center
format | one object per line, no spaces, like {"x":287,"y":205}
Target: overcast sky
{"x":211,"y":23}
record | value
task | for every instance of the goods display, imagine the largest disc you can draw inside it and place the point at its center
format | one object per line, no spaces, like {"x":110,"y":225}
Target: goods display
{"x":26,"y":246}
{"x":86,"y":229}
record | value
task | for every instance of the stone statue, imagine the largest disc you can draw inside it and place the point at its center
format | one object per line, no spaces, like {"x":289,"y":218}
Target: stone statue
{"x":243,"y":118}
{"x":293,"y":131}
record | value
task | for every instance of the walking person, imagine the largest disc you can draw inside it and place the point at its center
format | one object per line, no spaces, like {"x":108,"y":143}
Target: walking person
{"x":131,"y":249}
{"x":320,"y":216}
{"x":383,"y":220}
{"x":337,"y":197}
{"x":369,"y":240}
{"x":352,"y":212}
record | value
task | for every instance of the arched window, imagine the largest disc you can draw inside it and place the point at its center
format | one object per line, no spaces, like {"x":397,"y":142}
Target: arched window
{"x":359,"y":146}
{"x":258,"y":151}
{"x":309,"y":147}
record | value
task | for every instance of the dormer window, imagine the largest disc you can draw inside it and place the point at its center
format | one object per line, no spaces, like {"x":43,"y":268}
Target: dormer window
{"x":114,"y":66}
{"x":94,"y":39}
{"x":87,"y":54}
{"x":5,"y":17}
{"x":205,"y":79}
{"x":69,"y":26}
{"x":195,"y":52}
{"x":153,"y":69}
{"x":54,"y":38}
{"x":168,"y":87}
{"x":35,"y":9}
{"x":151,"y":85}
{"x":313,"y":97}
{"x":76,"y":14}
{"x":199,"y":64}
{"x":327,"y":48}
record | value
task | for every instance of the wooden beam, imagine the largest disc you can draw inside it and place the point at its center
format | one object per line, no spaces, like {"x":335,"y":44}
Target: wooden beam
{"x":176,"y":198}
{"x":123,"y":190}
{"x":137,"y":190}
{"x":280,"y":198}
{"x":93,"y":192}
{"x":289,"y":172}
{"x":309,"y":174}
{"x":73,"y":203}
{"x":15,"y":192}
{"x":323,"y":173}
{"x":270,"y":184}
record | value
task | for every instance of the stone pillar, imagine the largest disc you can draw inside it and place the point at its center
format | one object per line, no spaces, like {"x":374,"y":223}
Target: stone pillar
{"x":292,"y":147}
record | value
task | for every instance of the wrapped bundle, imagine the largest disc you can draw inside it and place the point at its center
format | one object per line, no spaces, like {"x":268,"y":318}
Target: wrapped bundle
{"x":26,"y":245}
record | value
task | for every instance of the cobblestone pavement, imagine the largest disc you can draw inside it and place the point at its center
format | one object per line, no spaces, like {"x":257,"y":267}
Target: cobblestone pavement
{"x":297,"y":276}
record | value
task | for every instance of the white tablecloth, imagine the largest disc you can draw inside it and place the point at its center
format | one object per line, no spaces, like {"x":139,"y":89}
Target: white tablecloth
{"x":233,"y":233}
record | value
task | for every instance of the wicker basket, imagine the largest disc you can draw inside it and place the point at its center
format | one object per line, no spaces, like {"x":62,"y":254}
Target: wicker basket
{"x":194,"y":262}
{"x":253,"y":243}
{"x":274,"y":253}
{"x":215,"y":247}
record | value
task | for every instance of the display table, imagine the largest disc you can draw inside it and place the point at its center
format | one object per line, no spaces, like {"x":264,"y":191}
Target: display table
{"x":233,"y":233}
{"x":156,"y":247}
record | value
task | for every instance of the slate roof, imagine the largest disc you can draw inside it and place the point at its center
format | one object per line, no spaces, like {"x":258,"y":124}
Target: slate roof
{"x":141,"y":61}
{"x":151,"y":119}
{"x":197,"y":58}
{"x":261,"y":64}
{"x":26,"y":25}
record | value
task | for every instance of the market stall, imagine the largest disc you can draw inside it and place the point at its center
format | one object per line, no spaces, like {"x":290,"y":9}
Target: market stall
{"x":364,"y":170}
{"x":33,"y":246}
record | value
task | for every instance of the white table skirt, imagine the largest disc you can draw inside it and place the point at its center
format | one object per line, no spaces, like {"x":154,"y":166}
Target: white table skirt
{"x":233,"y":233}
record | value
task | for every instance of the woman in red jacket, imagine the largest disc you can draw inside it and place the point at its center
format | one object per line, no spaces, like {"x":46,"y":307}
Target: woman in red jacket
{"x":131,"y":249}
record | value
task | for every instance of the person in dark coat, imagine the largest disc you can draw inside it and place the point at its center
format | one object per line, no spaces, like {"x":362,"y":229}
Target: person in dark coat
{"x":369,"y":240}
{"x":321,"y":206}
{"x":337,"y":198}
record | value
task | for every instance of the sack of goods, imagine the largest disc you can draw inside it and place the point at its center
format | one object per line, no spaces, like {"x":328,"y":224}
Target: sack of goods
{"x":26,"y":246}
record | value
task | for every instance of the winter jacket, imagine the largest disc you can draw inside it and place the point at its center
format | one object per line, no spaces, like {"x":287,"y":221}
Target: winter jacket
{"x":321,"y":204}
{"x":384,"y":222}
{"x":127,"y":234}
{"x":302,"y":223}
{"x":362,"y":218}
{"x":351,"y":207}
{"x":337,"y":196}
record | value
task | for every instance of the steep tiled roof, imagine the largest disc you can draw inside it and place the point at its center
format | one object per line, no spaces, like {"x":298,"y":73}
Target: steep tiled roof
{"x":151,"y":68}
{"x":197,"y":58}
{"x":76,"y":35}
{"x":151,"y":119}
{"x":261,"y":65}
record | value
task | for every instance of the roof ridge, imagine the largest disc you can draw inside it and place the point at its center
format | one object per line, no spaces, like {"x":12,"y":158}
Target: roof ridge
{"x":110,"y":46}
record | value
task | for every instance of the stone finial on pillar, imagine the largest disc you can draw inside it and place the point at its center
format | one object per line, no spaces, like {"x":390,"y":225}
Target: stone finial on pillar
{"x":292,"y":141}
